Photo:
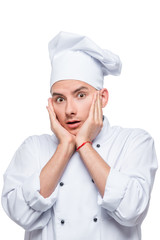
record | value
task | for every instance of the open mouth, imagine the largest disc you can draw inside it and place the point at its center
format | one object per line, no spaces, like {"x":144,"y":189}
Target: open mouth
{"x":73,"y":124}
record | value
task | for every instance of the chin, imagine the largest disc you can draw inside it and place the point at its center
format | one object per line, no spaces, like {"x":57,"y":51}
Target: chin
{"x":73,"y":132}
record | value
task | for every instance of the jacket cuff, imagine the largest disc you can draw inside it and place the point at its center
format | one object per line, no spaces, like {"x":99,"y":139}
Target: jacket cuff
{"x":34,"y":199}
{"x":115,"y":189}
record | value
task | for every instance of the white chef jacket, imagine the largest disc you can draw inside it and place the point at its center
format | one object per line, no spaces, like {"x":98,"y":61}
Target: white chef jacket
{"x":76,"y":210}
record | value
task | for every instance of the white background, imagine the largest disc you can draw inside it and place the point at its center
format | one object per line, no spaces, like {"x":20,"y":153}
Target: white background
{"x":128,"y":28}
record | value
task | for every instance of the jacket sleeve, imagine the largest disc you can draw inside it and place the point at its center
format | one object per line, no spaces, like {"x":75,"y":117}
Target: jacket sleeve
{"x":128,"y":187}
{"x":21,"y":199}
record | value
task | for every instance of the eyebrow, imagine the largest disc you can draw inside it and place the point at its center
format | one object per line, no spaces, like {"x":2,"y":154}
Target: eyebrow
{"x":77,"y":90}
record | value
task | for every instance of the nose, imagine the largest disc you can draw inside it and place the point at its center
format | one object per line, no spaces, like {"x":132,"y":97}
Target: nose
{"x":71,"y":108}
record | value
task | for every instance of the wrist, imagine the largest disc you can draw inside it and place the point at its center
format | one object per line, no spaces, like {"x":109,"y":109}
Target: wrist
{"x":82,"y":143}
{"x":79,"y":141}
{"x":68,"y":146}
{"x":67,"y":141}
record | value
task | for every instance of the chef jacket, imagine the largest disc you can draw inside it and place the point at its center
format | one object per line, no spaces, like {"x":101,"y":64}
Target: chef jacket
{"x":75,"y":210}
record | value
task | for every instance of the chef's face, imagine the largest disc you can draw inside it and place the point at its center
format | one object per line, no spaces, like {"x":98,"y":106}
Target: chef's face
{"x":71,"y":102}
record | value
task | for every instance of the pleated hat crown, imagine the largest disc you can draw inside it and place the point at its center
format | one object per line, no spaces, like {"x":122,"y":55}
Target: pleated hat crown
{"x":77,"y":57}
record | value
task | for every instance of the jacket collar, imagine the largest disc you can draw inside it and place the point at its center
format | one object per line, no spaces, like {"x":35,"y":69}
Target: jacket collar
{"x":105,"y":131}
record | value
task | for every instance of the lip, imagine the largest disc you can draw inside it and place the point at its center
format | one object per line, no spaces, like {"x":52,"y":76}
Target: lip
{"x":72,"y":125}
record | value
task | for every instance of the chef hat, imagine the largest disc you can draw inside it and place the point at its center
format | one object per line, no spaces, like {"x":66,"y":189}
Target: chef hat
{"x":77,"y":57}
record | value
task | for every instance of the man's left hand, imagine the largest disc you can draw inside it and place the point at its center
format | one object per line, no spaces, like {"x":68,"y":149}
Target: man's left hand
{"x":93,"y":125}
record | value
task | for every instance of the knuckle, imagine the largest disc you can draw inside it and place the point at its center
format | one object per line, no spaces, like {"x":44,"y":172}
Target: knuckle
{"x":99,"y":124}
{"x":96,"y":122}
{"x":91,"y":121}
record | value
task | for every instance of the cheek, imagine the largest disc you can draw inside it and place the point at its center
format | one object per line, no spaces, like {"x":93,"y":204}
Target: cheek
{"x":85,"y":108}
{"x":59,"y":113}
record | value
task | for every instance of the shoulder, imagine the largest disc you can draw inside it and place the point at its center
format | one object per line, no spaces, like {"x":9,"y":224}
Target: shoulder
{"x":133,"y":139}
{"x":135,"y":133}
{"x":122,"y":134}
{"x":38,"y":141}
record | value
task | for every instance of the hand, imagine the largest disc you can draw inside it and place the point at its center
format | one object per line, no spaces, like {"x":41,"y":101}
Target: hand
{"x":62,"y":134}
{"x":94,"y":123}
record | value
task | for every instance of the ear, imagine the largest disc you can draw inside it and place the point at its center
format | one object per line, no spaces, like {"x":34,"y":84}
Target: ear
{"x":105,"y":95}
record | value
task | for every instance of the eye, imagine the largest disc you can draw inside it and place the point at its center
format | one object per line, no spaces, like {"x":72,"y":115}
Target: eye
{"x":81,"y":95}
{"x":59,"y":99}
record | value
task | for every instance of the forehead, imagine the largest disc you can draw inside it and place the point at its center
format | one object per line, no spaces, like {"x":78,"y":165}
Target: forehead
{"x":70,"y":85}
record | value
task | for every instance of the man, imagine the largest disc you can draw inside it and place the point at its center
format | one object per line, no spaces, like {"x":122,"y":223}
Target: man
{"x":88,"y":180}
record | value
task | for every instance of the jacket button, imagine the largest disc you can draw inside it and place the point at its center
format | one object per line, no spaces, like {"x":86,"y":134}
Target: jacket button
{"x":98,"y":145}
{"x":61,"y":184}
{"x":62,"y":221}
{"x":95,"y":219}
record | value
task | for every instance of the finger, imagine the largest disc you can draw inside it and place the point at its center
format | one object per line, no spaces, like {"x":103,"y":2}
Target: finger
{"x":100,"y":112}
{"x":50,"y":115}
{"x":51,"y":112}
{"x":53,"y":119}
{"x":92,"y":108}
{"x":50,"y":104}
{"x":96,"y":107}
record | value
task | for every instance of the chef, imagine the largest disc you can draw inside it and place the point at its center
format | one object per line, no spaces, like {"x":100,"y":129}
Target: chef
{"x":88,"y":180}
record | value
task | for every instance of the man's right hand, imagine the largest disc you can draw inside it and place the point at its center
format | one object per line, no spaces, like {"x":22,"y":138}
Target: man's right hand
{"x":62,"y":134}
{"x":54,"y":168}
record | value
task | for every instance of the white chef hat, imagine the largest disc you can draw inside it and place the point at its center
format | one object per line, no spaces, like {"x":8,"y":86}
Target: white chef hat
{"x":77,"y":57}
